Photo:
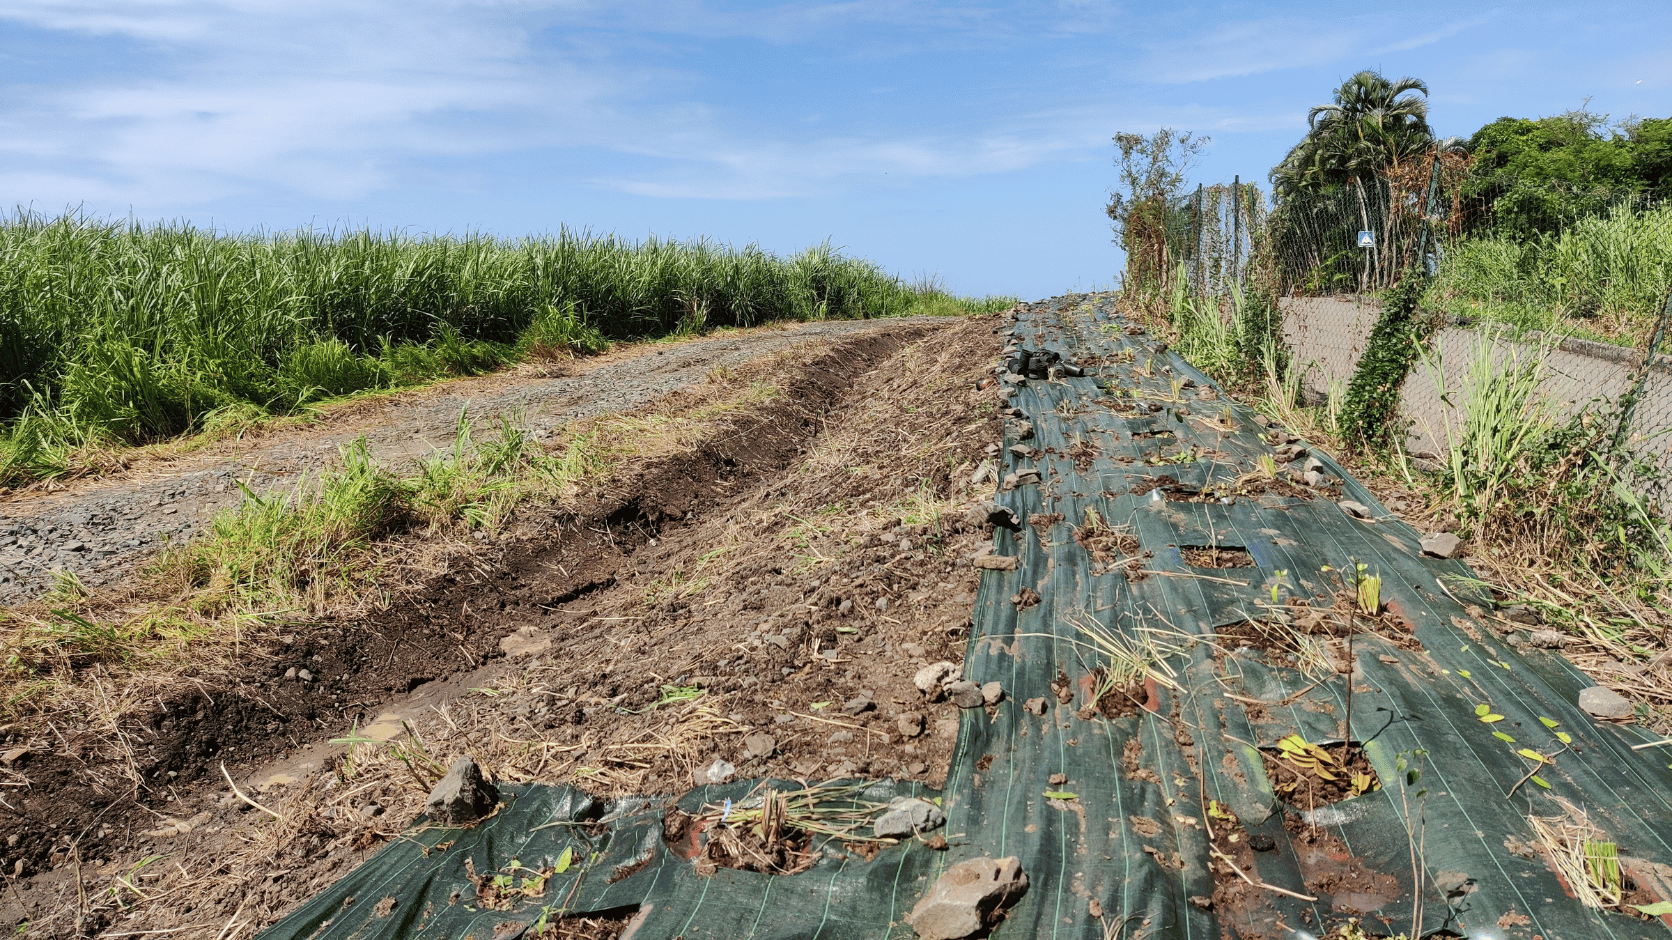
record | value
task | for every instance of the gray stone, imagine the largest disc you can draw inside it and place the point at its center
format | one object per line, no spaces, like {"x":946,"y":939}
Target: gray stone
{"x":1354,"y":508}
{"x":461,"y":797}
{"x":930,"y":678}
{"x":304,"y":675}
{"x":716,"y":773}
{"x":1312,"y":465}
{"x":1547,"y":639}
{"x":759,"y":744}
{"x":992,"y":693}
{"x":992,"y":513}
{"x":1034,"y":706}
{"x":1314,"y":478}
{"x":858,"y":706}
{"x":965,"y":899}
{"x":986,"y":473}
{"x":907,"y":816}
{"x":1605,"y":703}
{"x":1441,"y":544}
{"x":909,"y":724}
{"x":965,"y":694}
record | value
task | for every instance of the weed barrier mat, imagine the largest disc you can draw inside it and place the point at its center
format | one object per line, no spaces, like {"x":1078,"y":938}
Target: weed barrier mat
{"x":1161,"y":822}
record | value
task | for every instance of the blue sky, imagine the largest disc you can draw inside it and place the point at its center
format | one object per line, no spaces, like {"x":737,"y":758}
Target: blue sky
{"x":969,"y":140}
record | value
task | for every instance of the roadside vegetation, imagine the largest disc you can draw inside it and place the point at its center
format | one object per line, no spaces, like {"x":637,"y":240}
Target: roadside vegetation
{"x":335,"y":546}
{"x":115,"y":333}
{"x":1603,"y":277}
{"x":1557,"y":508}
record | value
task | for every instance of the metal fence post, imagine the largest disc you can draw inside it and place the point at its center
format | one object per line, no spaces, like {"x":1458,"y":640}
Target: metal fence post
{"x":1236,"y":231}
{"x":1428,"y":211}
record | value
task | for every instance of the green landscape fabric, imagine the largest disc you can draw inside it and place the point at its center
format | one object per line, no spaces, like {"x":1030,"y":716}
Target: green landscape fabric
{"x":1119,"y":845}
{"x":617,"y":861}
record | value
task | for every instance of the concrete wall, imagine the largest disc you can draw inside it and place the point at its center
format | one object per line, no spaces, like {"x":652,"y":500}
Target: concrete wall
{"x":1328,"y":334}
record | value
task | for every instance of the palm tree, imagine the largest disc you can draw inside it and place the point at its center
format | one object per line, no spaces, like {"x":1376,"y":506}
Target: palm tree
{"x":1375,"y":132}
{"x":1374,"y":125}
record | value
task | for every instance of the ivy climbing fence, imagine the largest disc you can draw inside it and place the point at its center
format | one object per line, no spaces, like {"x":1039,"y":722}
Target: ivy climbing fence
{"x":1558,"y":297}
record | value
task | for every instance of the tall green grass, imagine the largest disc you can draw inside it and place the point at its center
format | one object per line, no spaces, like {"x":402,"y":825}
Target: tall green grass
{"x":1602,"y":277}
{"x":127,"y":333}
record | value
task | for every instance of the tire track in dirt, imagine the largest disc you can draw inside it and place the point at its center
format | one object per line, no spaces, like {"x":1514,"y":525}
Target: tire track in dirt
{"x":100,"y":530}
{"x":570,"y":575}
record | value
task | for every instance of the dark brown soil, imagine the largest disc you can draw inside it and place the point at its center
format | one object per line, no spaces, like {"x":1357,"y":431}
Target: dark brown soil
{"x":1305,"y":789}
{"x":1083,"y":453}
{"x":1216,"y":556}
{"x":1122,"y":701}
{"x":806,"y":629}
{"x":1112,"y":549}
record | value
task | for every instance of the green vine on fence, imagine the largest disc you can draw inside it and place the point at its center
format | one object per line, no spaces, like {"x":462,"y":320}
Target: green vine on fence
{"x":1370,"y":413}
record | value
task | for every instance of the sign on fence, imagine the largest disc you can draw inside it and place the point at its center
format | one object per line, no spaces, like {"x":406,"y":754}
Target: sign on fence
{"x":1367,"y":239}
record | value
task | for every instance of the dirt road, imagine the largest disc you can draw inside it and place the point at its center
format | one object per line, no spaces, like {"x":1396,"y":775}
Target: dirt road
{"x":98,"y":530}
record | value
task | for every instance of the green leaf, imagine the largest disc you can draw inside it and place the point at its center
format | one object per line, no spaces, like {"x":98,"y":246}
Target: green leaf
{"x":1564,"y":737}
{"x":1061,"y":795}
{"x":1464,"y":673}
{"x":1483,"y":710}
{"x":1489,"y":719}
{"x":1503,"y":737}
{"x":565,"y":860}
{"x":818,"y":705}
{"x":1531,"y":754}
{"x":1658,"y":909}
{"x":1540,"y":781}
{"x":1548,"y":722}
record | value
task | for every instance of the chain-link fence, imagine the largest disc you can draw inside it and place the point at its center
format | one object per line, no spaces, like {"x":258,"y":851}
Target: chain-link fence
{"x":1569,"y":283}
{"x":1220,"y":228}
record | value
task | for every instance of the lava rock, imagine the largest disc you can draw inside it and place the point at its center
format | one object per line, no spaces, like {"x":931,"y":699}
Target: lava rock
{"x":993,"y":513}
{"x":907,"y":816}
{"x":965,"y":899}
{"x":965,"y":694}
{"x":461,"y":797}
{"x":1441,"y":544}
{"x":1355,"y":509}
{"x":858,"y":706}
{"x":1605,"y":703}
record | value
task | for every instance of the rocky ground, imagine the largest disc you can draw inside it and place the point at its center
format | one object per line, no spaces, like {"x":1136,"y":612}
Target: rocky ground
{"x":756,"y":605}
